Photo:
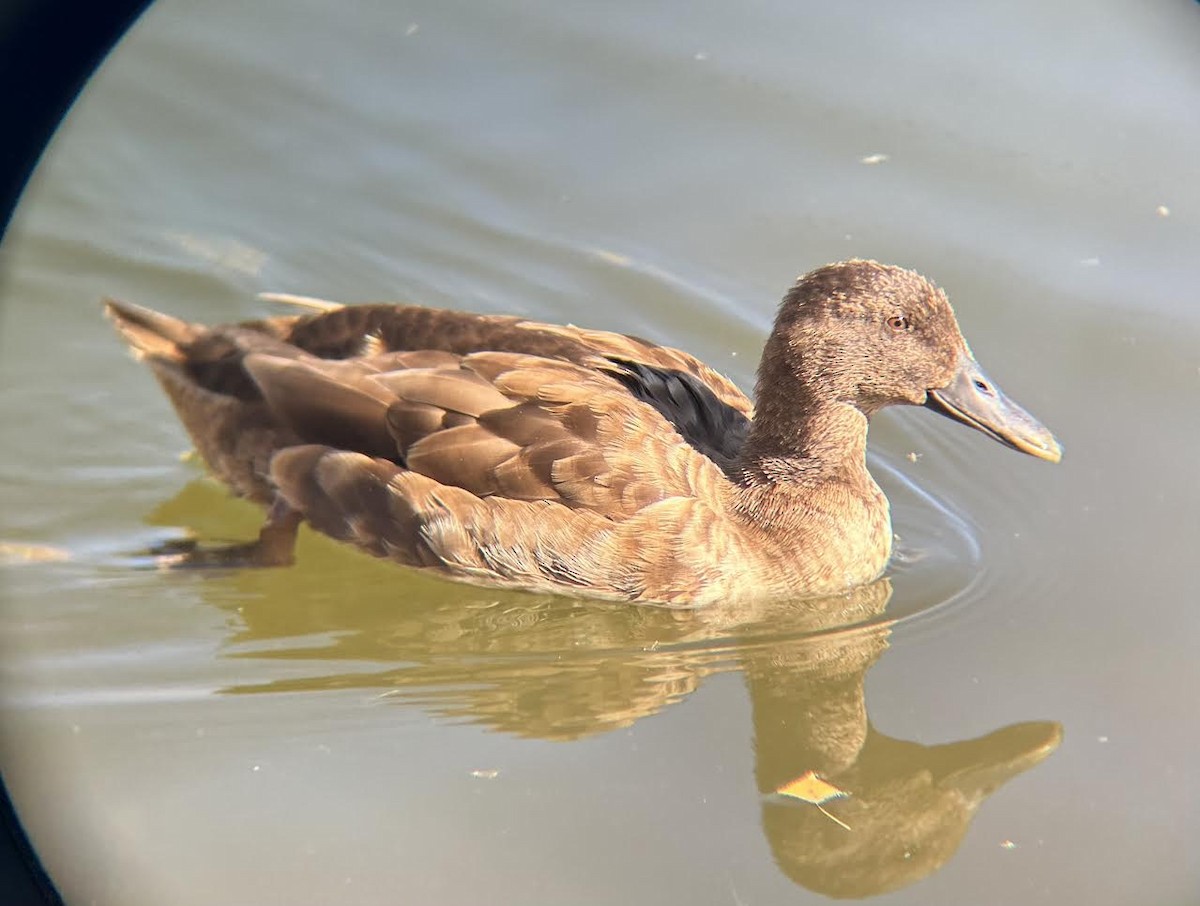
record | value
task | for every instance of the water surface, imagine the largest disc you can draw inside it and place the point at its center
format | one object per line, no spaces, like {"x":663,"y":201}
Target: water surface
{"x":346,"y":731}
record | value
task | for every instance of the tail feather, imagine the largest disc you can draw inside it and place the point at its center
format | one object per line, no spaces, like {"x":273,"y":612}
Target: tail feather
{"x":302,"y":301}
{"x":148,"y":332}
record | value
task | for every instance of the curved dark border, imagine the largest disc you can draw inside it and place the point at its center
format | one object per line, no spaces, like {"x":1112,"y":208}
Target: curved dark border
{"x":48,"y":49}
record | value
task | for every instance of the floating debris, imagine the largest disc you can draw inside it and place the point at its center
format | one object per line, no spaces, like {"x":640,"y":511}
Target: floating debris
{"x":17,"y":551}
{"x":490,"y":774}
{"x":1162,"y":211}
{"x":810,"y":788}
{"x":872,"y":159}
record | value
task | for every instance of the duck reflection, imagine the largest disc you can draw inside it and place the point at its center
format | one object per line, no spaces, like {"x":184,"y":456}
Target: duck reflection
{"x":553,"y":668}
{"x":909,"y":805}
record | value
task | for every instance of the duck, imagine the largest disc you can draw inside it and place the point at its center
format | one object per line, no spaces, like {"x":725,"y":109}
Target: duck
{"x":502,"y":451}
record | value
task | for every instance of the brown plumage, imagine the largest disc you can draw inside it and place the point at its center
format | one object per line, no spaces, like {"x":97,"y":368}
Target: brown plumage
{"x":508,"y":452}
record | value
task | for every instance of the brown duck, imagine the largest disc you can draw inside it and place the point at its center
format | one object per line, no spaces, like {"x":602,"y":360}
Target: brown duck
{"x":501,"y":451}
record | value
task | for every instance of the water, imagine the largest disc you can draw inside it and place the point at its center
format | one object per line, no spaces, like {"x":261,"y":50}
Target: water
{"x":346,"y":731}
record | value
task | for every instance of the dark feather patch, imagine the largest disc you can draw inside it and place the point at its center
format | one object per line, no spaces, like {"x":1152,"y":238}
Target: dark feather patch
{"x":710,"y":426}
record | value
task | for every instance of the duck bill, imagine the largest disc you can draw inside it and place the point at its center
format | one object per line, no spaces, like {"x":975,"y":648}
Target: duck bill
{"x":973,"y":399}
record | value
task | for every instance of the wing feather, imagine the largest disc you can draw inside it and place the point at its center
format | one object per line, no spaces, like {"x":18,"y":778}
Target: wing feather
{"x":326,"y":402}
{"x":452,"y":389}
{"x":496,"y":406}
{"x":464,"y":457}
{"x":494,"y":424}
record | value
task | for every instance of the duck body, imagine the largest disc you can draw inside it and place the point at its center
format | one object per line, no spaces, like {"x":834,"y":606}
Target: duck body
{"x":508,"y":452}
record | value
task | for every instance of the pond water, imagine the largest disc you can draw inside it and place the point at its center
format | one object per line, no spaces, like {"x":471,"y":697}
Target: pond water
{"x":348,"y":731}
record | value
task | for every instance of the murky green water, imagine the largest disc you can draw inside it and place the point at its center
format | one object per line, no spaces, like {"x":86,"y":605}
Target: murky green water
{"x":350,"y":732}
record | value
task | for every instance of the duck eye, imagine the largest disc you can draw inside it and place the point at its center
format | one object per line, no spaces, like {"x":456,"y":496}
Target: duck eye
{"x":898,"y":322}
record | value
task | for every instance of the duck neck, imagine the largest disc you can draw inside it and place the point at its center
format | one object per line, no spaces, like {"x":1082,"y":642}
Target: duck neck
{"x":802,"y":442}
{"x":795,"y":466}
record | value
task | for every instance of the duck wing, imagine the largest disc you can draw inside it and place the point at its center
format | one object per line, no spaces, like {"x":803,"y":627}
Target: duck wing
{"x":496,"y":424}
{"x":708,"y":411}
{"x":487,"y":448}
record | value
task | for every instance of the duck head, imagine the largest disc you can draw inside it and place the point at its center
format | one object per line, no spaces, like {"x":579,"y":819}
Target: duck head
{"x":872,"y":335}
